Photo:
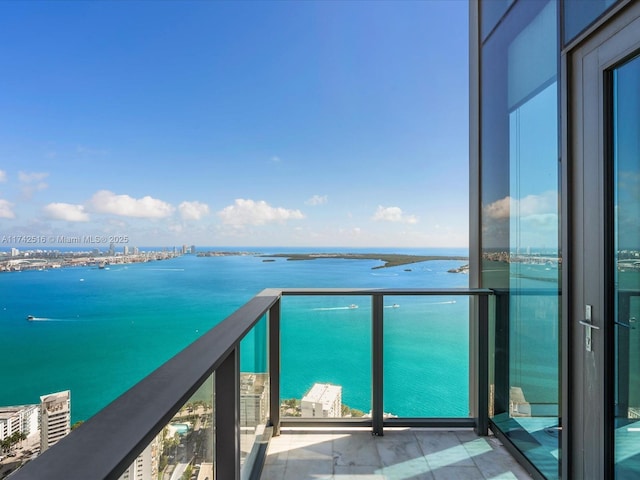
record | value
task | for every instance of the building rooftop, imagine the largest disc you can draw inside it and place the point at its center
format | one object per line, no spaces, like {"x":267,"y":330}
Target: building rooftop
{"x":322,"y":392}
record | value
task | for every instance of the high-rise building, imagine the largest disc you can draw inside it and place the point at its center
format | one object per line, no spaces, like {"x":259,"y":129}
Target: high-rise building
{"x":145,"y":466}
{"x":21,"y":418}
{"x":55,"y":418}
{"x":254,"y":399}
{"x":323,"y":400}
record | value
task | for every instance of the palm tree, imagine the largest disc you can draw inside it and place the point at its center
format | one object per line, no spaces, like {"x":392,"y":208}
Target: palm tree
{"x":5,"y":444}
{"x":15,"y":438}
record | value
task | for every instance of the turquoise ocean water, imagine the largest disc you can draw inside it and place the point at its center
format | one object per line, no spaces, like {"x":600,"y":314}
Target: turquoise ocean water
{"x":100,"y":331}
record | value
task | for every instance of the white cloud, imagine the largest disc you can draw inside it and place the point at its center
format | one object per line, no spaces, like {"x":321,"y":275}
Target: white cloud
{"x":32,"y":177}
{"x":393,"y":214}
{"x":105,"y":201}
{"x":531,"y":221}
{"x":543,"y":204}
{"x":32,"y":182}
{"x":193,"y":210}
{"x":249,"y":212}
{"x":317,"y":200}
{"x":6,"y":210}
{"x":66,"y":211}
{"x":3,"y":176}
{"x":498,"y":209}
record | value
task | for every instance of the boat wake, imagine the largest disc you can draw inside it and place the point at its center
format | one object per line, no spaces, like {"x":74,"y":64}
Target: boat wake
{"x":31,"y":318}
{"x":442,"y":303}
{"x":325,"y":309}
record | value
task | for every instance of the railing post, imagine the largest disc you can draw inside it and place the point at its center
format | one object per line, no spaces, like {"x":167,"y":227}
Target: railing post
{"x":482,"y":419}
{"x":227,"y":414}
{"x":274,"y":367}
{"x":502,"y":340}
{"x":377,"y":413}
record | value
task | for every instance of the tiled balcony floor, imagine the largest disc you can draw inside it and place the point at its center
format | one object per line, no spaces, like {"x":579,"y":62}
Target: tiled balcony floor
{"x":401,"y":454}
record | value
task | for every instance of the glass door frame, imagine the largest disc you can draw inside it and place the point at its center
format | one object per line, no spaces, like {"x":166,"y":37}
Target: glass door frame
{"x":587,"y":184}
{"x":617,"y":367}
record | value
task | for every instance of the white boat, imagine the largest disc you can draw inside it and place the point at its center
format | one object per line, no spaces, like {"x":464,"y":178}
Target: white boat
{"x":353,"y":305}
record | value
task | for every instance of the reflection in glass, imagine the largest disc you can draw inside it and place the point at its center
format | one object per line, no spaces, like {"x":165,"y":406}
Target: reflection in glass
{"x":491,"y":13}
{"x":254,"y":391}
{"x":184,"y":447}
{"x":626,"y":268}
{"x":520,"y":227}
{"x":579,"y":14}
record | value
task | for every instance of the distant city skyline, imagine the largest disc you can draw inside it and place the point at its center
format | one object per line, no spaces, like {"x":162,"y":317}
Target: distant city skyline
{"x":339,"y":124}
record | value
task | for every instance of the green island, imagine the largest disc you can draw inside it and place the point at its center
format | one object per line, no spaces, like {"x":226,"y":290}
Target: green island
{"x":389,"y":259}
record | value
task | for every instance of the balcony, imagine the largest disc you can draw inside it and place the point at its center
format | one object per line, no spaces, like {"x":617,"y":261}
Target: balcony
{"x":218,"y":407}
{"x":402,"y":453}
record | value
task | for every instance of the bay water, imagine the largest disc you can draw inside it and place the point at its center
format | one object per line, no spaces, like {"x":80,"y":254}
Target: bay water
{"x":97,"y":332}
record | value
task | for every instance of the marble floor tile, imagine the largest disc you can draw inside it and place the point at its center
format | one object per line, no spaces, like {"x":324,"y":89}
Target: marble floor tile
{"x":402,"y":457}
{"x":458,"y":473}
{"x":355,"y":472}
{"x":274,"y":472}
{"x":358,"y":449}
{"x":305,"y":469}
{"x":401,"y":454}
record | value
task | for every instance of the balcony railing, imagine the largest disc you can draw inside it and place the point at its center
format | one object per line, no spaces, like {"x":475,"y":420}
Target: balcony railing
{"x":106,"y":445}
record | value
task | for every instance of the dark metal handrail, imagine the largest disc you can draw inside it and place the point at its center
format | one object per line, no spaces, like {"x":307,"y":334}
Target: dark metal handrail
{"x":106,"y":445}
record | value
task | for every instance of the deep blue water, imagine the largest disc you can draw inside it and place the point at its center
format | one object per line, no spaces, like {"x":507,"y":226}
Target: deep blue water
{"x":101,"y":331}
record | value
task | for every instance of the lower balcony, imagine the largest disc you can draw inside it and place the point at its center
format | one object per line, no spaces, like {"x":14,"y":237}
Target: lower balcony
{"x":223,"y":408}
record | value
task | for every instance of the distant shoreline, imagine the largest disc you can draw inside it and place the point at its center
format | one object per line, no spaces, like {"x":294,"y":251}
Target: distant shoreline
{"x":389,"y":259}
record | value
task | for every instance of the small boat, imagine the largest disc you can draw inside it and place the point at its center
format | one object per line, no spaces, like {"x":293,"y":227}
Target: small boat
{"x":30,"y":317}
{"x":395,"y":305}
{"x":353,"y":305}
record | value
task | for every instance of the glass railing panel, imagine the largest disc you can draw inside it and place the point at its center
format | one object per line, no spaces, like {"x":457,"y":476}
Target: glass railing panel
{"x":184,"y":447}
{"x":525,"y":392}
{"x":325,"y":357}
{"x":254,"y":391}
{"x":426,"y":356}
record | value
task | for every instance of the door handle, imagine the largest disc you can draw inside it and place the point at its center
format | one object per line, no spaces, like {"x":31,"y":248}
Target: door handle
{"x":625,"y":325}
{"x":589,"y":327}
{"x":589,"y":324}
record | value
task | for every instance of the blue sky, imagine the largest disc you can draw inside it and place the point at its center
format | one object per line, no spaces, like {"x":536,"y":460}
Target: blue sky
{"x":236,"y":123}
